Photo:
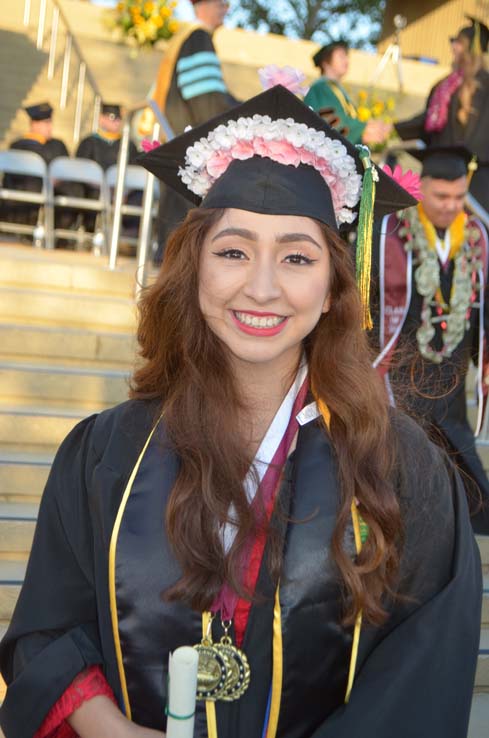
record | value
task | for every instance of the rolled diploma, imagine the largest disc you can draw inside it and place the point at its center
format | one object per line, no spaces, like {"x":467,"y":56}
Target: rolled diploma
{"x":182,"y":670}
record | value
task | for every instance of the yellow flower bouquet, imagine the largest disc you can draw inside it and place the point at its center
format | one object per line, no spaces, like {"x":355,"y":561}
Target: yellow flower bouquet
{"x":370,"y":106}
{"x":142,"y":23}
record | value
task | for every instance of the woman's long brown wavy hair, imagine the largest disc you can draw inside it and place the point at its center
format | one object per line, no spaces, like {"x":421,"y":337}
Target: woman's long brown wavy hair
{"x":188,"y":368}
{"x":470,"y":65}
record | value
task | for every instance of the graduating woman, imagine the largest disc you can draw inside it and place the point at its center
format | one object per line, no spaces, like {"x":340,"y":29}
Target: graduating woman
{"x":457,"y":108}
{"x":256,"y":498}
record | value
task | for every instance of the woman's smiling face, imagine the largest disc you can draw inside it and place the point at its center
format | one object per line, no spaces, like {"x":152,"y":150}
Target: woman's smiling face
{"x":264,"y":282}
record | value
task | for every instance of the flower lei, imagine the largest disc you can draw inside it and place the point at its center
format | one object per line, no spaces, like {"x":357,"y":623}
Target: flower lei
{"x":284,"y":141}
{"x":437,"y":113}
{"x":420,"y":238}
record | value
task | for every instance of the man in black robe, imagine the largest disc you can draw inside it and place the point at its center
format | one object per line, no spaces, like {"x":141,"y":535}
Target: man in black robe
{"x":189,"y":89}
{"x":432,"y":313}
{"x":103,"y":146}
{"x":443,"y":123}
{"x":38,"y":139}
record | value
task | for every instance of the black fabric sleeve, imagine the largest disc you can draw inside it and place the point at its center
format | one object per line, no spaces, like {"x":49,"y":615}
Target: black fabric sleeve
{"x":418,"y":679}
{"x":53,"y":634}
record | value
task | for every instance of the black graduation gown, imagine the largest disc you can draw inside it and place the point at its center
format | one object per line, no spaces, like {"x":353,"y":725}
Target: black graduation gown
{"x":414,"y":675}
{"x":184,"y":108}
{"x":105,"y":152}
{"x":435,"y":394}
{"x":19,"y":212}
{"x":473,"y":135}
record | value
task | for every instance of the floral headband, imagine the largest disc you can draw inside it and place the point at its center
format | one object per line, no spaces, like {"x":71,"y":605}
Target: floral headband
{"x":284,"y":141}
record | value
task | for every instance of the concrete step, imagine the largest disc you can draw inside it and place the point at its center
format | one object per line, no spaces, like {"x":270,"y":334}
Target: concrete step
{"x":41,"y":427}
{"x":17,"y":523}
{"x":65,"y":270}
{"x":485,"y":601}
{"x":56,"y":381}
{"x":23,"y":475}
{"x":483,"y":543}
{"x":479,"y":716}
{"x":482,"y":673}
{"x":67,"y":309}
{"x":76,"y":344}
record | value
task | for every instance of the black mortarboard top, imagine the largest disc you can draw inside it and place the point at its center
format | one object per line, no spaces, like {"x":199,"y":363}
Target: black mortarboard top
{"x":477,"y":34}
{"x":327,"y":49}
{"x":262,"y":185}
{"x":111,"y":109}
{"x":443,"y":162}
{"x":41,"y":111}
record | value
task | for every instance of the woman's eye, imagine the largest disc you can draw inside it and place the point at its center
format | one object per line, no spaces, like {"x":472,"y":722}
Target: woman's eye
{"x":230,"y":254}
{"x":298,"y":259}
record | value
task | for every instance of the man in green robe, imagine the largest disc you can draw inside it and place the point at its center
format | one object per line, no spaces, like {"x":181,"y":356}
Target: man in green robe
{"x":327,"y":96}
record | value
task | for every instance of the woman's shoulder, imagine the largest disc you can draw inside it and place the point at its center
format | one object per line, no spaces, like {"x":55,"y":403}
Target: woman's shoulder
{"x":113,"y":433}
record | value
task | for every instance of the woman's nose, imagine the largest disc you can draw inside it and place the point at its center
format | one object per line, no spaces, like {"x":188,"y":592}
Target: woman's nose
{"x":262,"y":283}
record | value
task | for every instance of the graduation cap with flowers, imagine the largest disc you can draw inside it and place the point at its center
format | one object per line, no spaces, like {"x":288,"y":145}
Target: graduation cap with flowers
{"x":273,"y":154}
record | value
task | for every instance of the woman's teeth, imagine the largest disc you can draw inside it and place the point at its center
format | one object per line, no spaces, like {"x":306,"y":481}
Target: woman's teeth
{"x":256,"y":322}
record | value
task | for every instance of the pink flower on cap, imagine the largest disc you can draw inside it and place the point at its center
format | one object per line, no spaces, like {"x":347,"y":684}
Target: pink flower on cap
{"x":289,"y":77}
{"x":148,"y":145}
{"x":409,"y":181}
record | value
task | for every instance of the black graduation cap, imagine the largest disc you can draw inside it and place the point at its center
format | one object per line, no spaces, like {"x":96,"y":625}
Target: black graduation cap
{"x":477,"y":34}
{"x":41,"y":111}
{"x":262,"y":185}
{"x":443,"y":162}
{"x":327,"y":50}
{"x":110,"y":109}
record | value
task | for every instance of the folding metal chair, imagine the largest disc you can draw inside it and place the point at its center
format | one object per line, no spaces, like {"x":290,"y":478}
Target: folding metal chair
{"x":26,"y":164}
{"x":134,"y":181}
{"x":64,"y":169}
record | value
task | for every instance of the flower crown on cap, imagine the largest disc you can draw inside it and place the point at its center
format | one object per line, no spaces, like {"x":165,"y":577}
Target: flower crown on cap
{"x":284,"y":141}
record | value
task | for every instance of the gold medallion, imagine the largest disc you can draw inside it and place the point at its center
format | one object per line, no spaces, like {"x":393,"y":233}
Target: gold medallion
{"x":212,"y":671}
{"x":239,"y":674}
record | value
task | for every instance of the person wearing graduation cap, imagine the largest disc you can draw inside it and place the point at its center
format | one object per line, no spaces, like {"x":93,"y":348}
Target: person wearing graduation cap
{"x":256,"y":498}
{"x":327,"y":96}
{"x":38,"y":139}
{"x":432,"y":314}
{"x":103,"y":146}
{"x":189,"y":90}
{"x":457,"y":108}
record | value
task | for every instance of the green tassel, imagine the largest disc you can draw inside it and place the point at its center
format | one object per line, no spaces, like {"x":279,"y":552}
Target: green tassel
{"x":365,"y":228}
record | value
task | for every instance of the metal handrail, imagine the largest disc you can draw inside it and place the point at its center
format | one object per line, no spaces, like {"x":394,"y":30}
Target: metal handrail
{"x":146,"y":217}
{"x":84,"y":75}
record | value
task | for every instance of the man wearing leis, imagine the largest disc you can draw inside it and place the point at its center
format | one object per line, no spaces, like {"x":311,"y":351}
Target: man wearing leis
{"x":432,"y":313}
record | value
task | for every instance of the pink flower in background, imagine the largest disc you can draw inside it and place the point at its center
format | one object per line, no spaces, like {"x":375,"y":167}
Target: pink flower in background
{"x":289,"y":77}
{"x":148,"y":145}
{"x":409,"y":181}
{"x":218,"y":163}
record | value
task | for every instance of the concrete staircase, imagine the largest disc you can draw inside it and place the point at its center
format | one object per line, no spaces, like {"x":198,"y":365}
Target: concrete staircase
{"x":66,"y":350}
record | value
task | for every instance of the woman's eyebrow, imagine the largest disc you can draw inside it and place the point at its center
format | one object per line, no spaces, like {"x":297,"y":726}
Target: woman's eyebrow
{"x":293,"y":237}
{"x":242,"y":232}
